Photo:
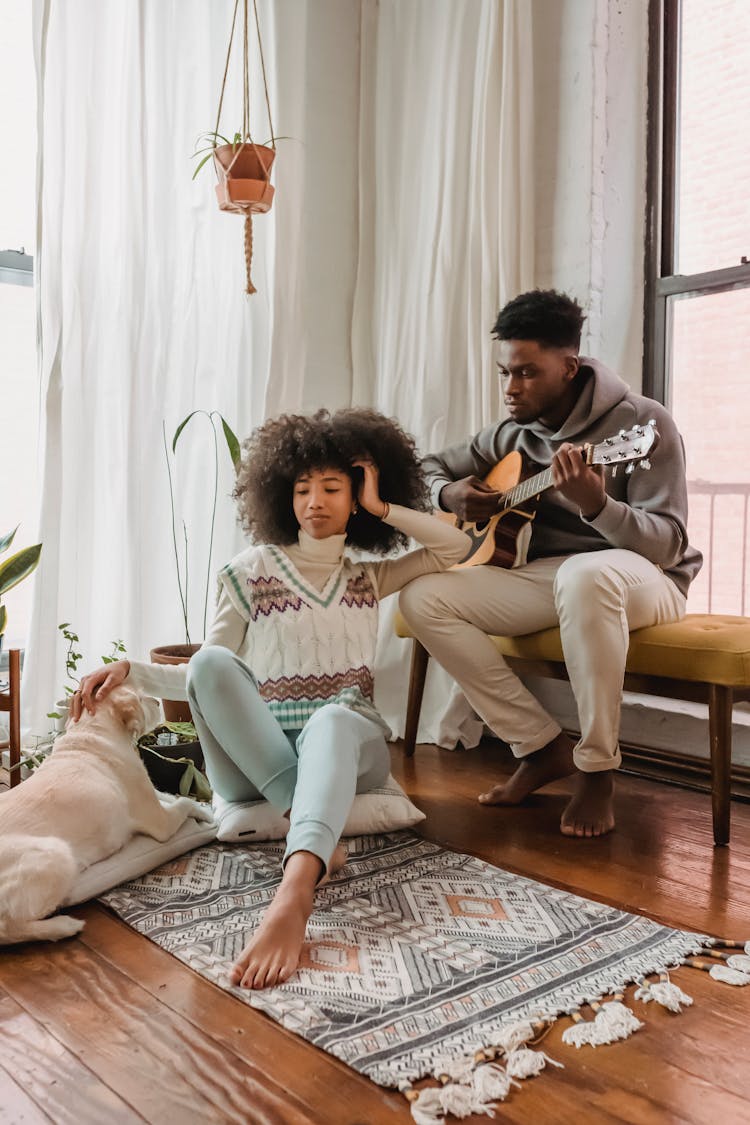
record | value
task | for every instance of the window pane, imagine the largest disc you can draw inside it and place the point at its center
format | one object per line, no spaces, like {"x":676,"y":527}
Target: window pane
{"x":711,"y":406}
{"x":713,"y":217}
{"x":20,"y":411}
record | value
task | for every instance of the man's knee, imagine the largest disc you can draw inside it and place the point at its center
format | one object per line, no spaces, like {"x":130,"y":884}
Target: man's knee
{"x":584,"y":582}
{"x":418,"y":599}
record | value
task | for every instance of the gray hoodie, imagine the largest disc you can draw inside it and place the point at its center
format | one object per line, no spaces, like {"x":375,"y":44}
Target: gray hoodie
{"x":645,"y":512}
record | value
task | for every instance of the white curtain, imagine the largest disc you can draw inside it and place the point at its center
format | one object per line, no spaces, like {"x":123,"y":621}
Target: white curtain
{"x":402,"y":219}
{"x":446,"y":237}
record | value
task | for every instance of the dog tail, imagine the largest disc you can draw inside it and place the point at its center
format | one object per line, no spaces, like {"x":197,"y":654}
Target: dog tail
{"x":36,"y":875}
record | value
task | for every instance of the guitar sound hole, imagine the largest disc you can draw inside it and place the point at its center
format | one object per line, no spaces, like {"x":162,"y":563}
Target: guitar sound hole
{"x":481,"y":525}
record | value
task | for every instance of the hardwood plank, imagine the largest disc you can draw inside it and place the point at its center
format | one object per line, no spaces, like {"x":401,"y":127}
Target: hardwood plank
{"x":640,"y":867}
{"x":51,"y":1078}
{"x":133,"y":1017}
{"x":165,"y":1067}
{"x":248,"y":1033}
{"x":16,"y":1107}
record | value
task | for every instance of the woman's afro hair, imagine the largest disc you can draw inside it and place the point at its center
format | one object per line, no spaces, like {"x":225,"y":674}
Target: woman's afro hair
{"x":283,"y":448}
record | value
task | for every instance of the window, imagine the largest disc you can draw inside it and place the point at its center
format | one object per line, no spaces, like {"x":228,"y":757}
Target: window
{"x":697,"y":311}
{"x":19,"y":397}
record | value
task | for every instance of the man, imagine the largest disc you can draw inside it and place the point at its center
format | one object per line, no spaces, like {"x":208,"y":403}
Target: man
{"x":607,"y":554}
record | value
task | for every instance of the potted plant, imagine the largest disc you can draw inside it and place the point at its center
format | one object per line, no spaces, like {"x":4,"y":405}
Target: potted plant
{"x":243,"y":168}
{"x":171,"y":752}
{"x":13,"y":571}
{"x":178,"y":711}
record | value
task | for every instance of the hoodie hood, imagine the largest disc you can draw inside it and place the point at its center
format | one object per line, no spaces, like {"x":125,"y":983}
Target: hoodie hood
{"x":602,"y":390}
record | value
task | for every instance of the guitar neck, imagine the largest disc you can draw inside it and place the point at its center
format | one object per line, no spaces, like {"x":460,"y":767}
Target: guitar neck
{"x":528,"y":488}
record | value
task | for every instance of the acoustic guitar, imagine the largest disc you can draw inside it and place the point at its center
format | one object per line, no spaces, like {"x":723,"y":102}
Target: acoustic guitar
{"x":498,"y":541}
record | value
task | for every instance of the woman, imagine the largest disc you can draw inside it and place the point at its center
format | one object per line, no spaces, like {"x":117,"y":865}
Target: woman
{"x":281,"y":691}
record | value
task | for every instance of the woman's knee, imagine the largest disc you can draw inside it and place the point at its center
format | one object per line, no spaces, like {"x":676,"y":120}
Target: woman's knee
{"x":334,"y":723}
{"x":208,"y":668}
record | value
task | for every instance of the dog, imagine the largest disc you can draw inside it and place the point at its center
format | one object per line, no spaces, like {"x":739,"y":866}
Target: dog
{"x":81,"y":805}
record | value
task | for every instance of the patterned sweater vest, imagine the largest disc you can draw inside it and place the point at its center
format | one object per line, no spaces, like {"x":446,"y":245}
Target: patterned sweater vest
{"x":306,"y":647}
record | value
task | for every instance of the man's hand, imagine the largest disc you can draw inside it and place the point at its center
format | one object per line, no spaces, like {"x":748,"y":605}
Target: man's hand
{"x":580,"y":483}
{"x":470,"y":499}
{"x":101,"y":681}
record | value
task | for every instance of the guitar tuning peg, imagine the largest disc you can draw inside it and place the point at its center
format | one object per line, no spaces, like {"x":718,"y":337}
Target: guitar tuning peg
{"x":630,"y":468}
{"x":644,"y":464}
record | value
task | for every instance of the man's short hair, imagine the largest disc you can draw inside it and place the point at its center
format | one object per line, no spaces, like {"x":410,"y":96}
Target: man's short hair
{"x":553,"y":319}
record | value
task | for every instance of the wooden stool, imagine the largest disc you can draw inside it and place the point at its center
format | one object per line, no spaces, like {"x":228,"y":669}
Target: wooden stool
{"x":11,"y":701}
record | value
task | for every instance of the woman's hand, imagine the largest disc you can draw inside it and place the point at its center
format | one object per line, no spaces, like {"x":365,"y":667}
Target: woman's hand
{"x":369,"y":491}
{"x":101,"y":681}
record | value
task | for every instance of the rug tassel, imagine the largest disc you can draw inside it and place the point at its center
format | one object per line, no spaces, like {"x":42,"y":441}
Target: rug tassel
{"x":664,"y":992}
{"x":723,"y":972}
{"x":525,"y":1063}
{"x":433,"y":1104}
{"x":613,"y":1022}
{"x":492,"y":1083}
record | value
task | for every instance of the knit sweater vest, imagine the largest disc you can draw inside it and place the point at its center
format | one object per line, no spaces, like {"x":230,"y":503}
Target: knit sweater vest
{"x":306,"y":647}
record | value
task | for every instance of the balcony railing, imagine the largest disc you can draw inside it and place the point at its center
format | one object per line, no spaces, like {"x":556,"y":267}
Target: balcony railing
{"x":709,"y":538}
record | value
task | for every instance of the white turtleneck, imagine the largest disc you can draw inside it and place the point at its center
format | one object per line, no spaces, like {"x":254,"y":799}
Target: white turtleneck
{"x":316,"y":559}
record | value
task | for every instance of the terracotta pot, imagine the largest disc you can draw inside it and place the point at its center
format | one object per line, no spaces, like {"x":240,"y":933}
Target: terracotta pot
{"x":175,"y":711}
{"x":253,"y":162}
{"x":244,"y":196}
{"x":244,"y":177}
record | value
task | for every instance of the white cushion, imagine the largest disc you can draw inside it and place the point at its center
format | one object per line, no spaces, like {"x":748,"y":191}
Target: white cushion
{"x":141,"y":854}
{"x":380,"y":810}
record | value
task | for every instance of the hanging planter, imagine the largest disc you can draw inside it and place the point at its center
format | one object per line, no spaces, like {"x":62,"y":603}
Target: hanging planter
{"x":243,"y":168}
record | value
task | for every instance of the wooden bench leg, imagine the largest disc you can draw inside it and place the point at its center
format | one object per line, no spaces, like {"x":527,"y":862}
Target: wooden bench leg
{"x":720,"y":733}
{"x":419,"y":659}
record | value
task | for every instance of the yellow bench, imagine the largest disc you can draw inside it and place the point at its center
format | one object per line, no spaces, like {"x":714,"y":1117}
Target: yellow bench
{"x":704,"y":657}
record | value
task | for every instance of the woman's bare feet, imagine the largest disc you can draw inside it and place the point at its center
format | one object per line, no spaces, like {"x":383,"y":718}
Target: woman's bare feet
{"x":335,"y":863}
{"x":553,"y":761}
{"x":590,"y":811}
{"x":273,"y":952}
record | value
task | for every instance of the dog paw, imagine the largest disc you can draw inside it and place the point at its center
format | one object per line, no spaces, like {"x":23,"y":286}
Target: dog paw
{"x":202,"y":812}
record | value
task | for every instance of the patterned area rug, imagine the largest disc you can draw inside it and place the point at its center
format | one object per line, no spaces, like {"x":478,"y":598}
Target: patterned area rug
{"x":418,"y":957}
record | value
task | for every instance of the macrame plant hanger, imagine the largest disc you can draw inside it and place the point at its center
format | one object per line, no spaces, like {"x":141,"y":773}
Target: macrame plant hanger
{"x":244,"y":169}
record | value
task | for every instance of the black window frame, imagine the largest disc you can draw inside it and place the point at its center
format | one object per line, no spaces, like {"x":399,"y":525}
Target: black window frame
{"x":661,"y":281}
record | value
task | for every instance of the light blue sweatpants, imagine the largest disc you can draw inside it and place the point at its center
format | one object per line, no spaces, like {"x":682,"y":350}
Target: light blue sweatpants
{"x":314,"y":772}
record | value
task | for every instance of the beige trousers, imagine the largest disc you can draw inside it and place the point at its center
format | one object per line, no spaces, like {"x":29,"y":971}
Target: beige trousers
{"x":596,"y":598}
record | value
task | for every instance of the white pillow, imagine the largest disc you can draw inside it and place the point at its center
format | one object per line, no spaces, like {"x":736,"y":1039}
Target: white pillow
{"x":380,"y":810}
{"x":140,"y":854}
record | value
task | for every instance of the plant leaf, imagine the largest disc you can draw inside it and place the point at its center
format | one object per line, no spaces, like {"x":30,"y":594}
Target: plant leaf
{"x":181,"y":427}
{"x":186,"y":780}
{"x":18,"y":567}
{"x":6,"y":541}
{"x":187,"y":730}
{"x":203,"y":161}
{"x":3,"y":619}
{"x":233,"y":444}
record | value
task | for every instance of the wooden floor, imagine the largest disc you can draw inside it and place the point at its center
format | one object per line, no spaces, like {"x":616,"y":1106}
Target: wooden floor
{"x":109,"y":1028}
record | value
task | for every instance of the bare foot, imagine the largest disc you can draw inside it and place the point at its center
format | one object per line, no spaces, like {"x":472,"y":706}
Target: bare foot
{"x":335,"y":863}
{"x":590,"y":811}
{"x":553,"y":761}
{"x":273,"y":952}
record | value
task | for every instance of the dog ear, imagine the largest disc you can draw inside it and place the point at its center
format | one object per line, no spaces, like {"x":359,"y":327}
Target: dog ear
{"x":131,"y":714}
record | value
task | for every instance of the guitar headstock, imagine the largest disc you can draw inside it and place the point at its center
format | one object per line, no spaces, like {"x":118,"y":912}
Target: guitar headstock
{"x":626,"y":448}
